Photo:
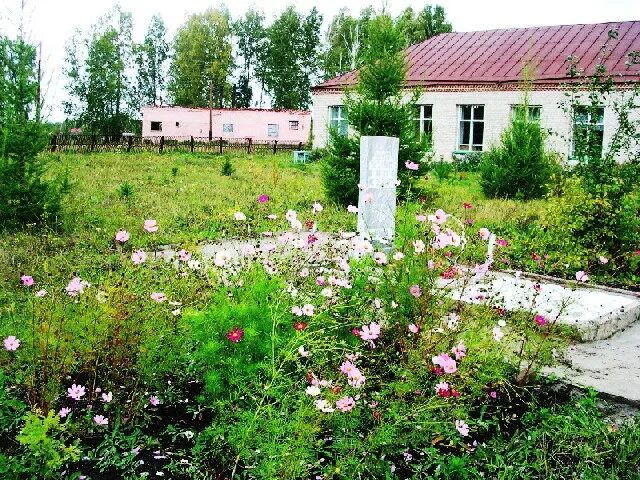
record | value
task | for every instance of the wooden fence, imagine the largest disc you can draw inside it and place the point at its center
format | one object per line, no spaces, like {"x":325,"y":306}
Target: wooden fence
{"x":98,"y":143}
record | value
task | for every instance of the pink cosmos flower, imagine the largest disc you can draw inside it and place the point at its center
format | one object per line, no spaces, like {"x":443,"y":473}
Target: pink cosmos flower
{"x":370,"y":332}
{"x":263,"y":198}
{"x":158,"y":297}
{"x":11,"y":343}
{"x":101,"y":420}
{"x":297,"y":311}
{"x":76,"y":286}
{"x":27,"y":280}
{"x":291,"y":215}
{"x":76,"y":391}
{"x":415,"y":290}
{"x":447,"y":363}
{"x":493,"y":394}
{"x":235,"y":334}
{"x":107,"y":397}
{"x":184,"y":256}
{"x":307,"y":310}
{"x":459,"y":350}
{"x":421,"y":218}
{"x":439,"y":217}
{"x":122,"y":236}
{"x":151,"y":226}
{"x":154,"y":401}
{"x":502,"y":242}
{"x":241,"y":217}
{"x":431,"y":264}
{"x":442,"y":387}
{"x":603,"y":260}
{"x":352,"y":209}
{"x":380,"y":258}
{"x":273,"y":216}
{"x":138,"y":257}
{"x":320,"y":281}
{"x":63,"y":412}
{"x":418,"y":246}
{"x":303,"y":353}
{"x":413,"y":328}
{"x":497,"y":334}
{"x":41,"y":293}
{"x":317,"y":207}
{"x":462,"y":428}
{"x":345,"y":404}
{"x":484,"y":233}
{"x":356,"y":379}
{"x":411,"y":165}
{"x":467,"y":205}
{"x":582,"y":276}
{"x":540,"y":320}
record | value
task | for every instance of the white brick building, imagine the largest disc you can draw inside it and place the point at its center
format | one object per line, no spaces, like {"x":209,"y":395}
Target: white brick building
{"x":471,"y":82}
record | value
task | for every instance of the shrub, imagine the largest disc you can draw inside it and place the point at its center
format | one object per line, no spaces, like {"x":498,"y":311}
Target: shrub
{"x":341,"y":169}
{"x":469,"y":162}
{"x":227,"y":168}
{"x":377,"y":107}
{"x":25,"y":196}
{"x":518,"y":167}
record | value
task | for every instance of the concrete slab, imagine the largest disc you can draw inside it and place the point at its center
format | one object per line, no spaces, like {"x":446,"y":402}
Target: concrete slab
{"x":595,"y":312}
{"x":611,"y":366}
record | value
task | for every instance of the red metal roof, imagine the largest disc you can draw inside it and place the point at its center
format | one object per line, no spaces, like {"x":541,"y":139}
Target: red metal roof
{"x":498,"y":56}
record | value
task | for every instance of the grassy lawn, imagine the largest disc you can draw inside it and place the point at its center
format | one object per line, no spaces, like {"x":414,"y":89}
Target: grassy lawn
{"x":303,"y":364}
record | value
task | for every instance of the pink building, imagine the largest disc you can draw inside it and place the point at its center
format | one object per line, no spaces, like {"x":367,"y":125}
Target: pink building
{"x":281,"y":125}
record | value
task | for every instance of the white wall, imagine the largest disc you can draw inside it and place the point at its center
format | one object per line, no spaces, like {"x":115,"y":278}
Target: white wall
{"x":497,"y":113}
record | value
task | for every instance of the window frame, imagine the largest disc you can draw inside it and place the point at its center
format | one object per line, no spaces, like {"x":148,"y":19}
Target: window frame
{"x":422,"y":118}
{"x":589,"y":124}
{"x":159,"y":124}
{"x":225,"y":128}
{"x":339,"y":121}
{"x":294,"y":122}
{"x":269,"y":130}
{"x":472,"y":121}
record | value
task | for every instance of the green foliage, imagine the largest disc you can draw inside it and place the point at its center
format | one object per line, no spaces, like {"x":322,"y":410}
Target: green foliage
{"x":151,"y":56}
{"x":26,"y":197}
{"x":427,"y":23}
{"x":290,"y":61}
{"x":227,"y":168}
{"x":443,"y":170}
{"x":46,"y":447}
{"x":202,"y":59}
{"x":376,"y":107}
{"x":98,"y":64}
{"x":519,"y":167}
{"x":125,"y":191}
{"x":469,"y":162}
{"x":251,"y":36}
{"x":341,"y":169}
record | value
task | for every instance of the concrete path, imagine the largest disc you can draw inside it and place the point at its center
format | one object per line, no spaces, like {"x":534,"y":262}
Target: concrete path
{"x":611,"y":366}
{"x":595,"y":312}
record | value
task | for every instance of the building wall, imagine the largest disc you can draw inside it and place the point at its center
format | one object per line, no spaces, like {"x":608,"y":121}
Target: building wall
{"x":497,"y":113}
{"x":187,"y":122}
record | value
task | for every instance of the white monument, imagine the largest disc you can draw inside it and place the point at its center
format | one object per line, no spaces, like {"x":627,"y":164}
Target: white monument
{"x":378,"y":183}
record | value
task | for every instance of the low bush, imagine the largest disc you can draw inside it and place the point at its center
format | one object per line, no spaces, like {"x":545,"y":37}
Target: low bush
{"x":518,"y":167}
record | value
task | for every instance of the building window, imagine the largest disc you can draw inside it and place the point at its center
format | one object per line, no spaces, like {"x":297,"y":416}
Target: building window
{"x":588,"y":131}
{"x":294,"y":124}
{"x":272,"y":130}
{"x":227,"y":128}
{"x":471,"y":133}
{"x":531,"y":113}
{"x":156,"y":126}
{"x":338,"y":120}
{"x":424,"y":121}
{"x":177,"y":124}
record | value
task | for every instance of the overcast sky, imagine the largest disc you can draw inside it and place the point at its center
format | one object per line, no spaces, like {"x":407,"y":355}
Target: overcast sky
{"x":52,"y":22}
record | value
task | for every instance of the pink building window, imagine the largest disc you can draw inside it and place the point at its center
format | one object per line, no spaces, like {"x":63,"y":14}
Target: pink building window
{"x":294,"y":124}
{"x":156,"y":126}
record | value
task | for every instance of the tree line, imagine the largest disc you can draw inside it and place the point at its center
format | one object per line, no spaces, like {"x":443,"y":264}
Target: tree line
{"x":214,"y":59}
